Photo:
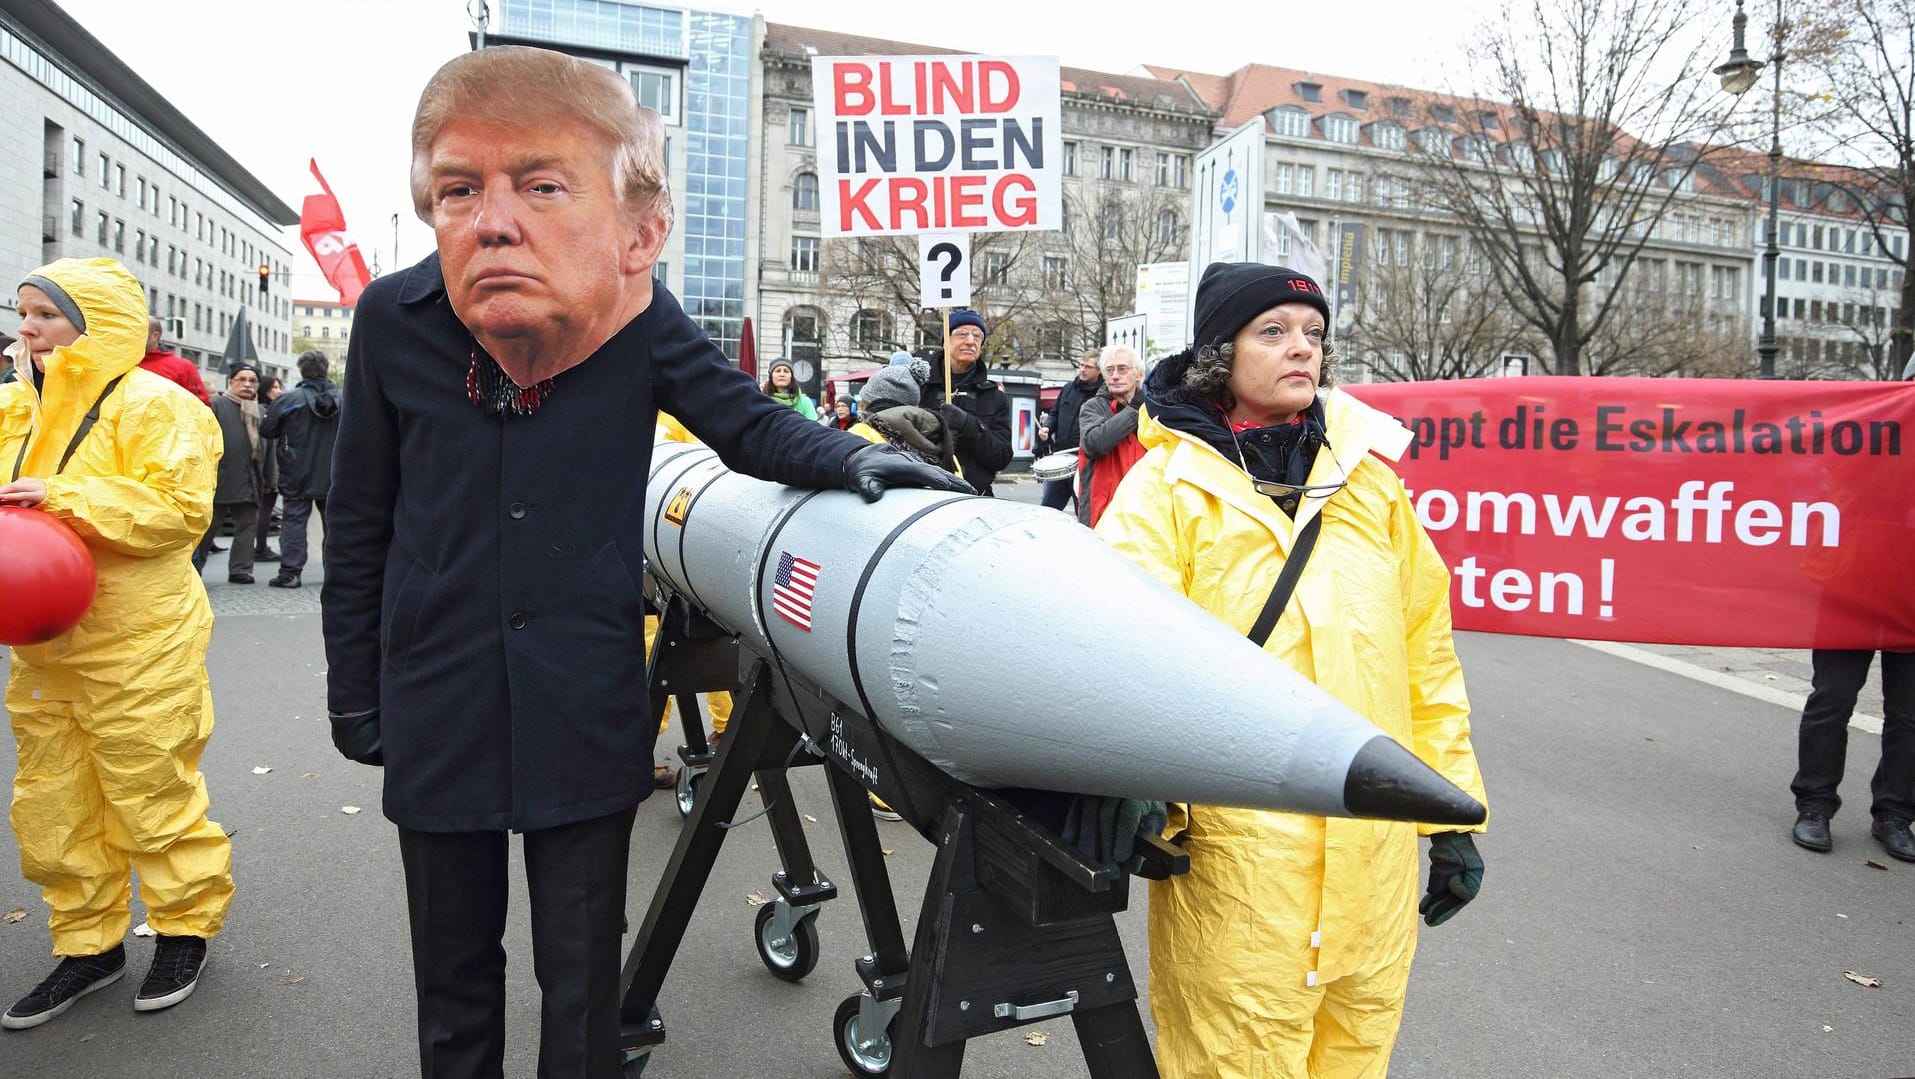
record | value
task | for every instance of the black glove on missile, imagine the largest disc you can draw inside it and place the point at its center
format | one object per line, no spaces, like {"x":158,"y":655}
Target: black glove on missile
{"x":1456,"y":872}
{"x":356,"y":736}
{"x":875,"y":469}
{"x":1106,"y":829}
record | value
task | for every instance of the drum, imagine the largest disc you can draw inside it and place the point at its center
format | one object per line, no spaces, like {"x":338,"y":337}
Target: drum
{"x":1061,"y":465}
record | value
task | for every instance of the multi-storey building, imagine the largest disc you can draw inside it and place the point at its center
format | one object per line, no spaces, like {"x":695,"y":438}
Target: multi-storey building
{"x":1350,"y":151}
{"x":1838,"y":282}
{"x":697,"y":69}
{"x":97,"y":163}
{"x":838,"y":305}
{"x":325,"y":325}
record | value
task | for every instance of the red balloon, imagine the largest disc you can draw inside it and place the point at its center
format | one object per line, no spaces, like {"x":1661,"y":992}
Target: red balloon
{"x":47,"y":579}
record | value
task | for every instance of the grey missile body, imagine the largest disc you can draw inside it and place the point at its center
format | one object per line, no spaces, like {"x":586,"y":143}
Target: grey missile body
{"x":919,"y":611}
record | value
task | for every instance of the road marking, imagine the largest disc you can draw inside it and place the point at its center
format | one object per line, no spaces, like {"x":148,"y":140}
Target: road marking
{"x":1720,"y":679}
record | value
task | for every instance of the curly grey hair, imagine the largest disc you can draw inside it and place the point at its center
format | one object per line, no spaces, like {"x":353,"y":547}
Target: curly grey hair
{"x":1209,"y":373}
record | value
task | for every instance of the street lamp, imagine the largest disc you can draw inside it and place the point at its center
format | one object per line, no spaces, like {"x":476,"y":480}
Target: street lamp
{"x":1738,"y":75}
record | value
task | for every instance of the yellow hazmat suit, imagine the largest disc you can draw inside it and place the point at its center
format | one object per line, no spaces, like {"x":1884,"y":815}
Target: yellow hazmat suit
{"x":112,"y":716}
{"x":718,"y":703}
{"x":1286,"y":950}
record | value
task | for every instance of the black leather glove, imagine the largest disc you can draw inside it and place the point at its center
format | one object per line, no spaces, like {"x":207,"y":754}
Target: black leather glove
{"x":1106,"y":829}
{"x":955,"y":418}
{"x":875,"y":469}
{"x":1456,"y":873}
{"x":356,"y":736}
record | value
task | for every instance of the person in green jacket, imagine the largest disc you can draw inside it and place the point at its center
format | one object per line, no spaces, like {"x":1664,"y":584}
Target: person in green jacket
{"x":782,"y":386}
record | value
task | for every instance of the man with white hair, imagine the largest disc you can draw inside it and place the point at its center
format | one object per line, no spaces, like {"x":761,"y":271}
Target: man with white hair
{"x":483,"y":623}
{"x":1107,"y":431}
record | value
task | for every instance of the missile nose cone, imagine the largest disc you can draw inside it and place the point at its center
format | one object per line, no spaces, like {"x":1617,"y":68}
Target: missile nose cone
{"x":1388,"y":782}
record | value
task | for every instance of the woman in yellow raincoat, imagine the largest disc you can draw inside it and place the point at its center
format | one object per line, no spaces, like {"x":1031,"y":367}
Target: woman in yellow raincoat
{"x":111,"y":717}
{"x":1286,"y":949}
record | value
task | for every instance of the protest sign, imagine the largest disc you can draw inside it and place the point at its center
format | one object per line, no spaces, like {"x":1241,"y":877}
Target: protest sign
{"x":911,"y":144}
{"x":1679,"y":511}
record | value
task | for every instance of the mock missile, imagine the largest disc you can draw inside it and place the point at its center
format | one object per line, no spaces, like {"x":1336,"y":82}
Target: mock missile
{"x":924,"y":612}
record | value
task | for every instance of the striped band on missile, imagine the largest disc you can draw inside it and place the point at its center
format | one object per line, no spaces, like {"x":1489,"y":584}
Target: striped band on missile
{"x":925,"y":611}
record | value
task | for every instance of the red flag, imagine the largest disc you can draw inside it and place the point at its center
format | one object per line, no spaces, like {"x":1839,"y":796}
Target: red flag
{"x":323,"y":227}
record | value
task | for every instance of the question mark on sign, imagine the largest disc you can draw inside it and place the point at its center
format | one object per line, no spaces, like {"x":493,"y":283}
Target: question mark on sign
{"x":951,"y":257}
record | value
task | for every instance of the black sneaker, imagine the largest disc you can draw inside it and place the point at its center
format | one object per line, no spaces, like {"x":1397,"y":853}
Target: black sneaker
{"x":75,"y":977}
{"x":286,"y":579}
{"x":177,"y":962}
{"x":265,"y":554}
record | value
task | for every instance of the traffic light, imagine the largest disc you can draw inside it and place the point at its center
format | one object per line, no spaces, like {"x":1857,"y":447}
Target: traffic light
{"x":265,"y":275}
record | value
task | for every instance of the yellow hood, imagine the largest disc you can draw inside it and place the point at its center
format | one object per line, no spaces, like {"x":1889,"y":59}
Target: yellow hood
{"x":114,"y":307}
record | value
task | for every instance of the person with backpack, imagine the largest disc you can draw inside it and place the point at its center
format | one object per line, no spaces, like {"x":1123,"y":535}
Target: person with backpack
{"x":305,"y":420}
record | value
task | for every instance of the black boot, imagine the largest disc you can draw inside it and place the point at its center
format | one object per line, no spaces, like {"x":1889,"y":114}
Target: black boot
{"x":1812,"y":831}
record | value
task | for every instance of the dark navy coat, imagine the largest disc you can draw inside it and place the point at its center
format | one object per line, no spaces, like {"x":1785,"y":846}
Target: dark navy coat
{"x":482,"y":571}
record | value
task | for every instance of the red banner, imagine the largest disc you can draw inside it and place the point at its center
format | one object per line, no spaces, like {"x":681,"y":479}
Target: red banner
{"x":323,"y":226}
{"x":1679,"y":511}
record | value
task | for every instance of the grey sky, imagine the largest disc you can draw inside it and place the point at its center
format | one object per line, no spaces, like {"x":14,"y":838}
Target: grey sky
{"x":277,"y":83}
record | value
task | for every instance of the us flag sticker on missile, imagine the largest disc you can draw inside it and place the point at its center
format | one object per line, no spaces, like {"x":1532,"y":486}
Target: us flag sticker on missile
{"x":791,"y":590}
{"x":675,"y":509}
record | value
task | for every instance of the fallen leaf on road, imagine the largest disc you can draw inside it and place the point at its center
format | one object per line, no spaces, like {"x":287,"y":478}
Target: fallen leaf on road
{"x":142,"y":930}
{"x":1036,"y":1037}
{"x":811,"y":818}
{"x":1862,"y":979}
{"x":1873,"y":864}
{"x":756,"y":899}
{"x":1827,"y":1029}
{"x":1841,"y":915}
{"x":261,"y":770}
{"x":294,"y":980}
{"x":887,"y":852}
{"x":14,"y":915}
{"x":263,"y":966}
{"x":348,"y":809}
{"x":309,"y":775}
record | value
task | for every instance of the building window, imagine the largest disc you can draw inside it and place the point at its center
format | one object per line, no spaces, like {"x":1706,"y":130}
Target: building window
{"x":1290,"y":122}
{"x":1055,"y":274}
{"x":1107,"y":163}
{"x":1181,"y":170}
{"x":656,"y":89}
{"x":804,"y":192}
{"x":1166,"y":226}
{"x":79,"y":156}
{"x":1286,"y":176}
{"x":1124,"y":159}
{"x":79,"y":218}
{"x":119,"y":180}
{"x":1070,"y":159}
{"x":119,"y":235}
{"x":1340,"y":129}
{"x":996,"y":266}
{"x":106,"y":172}
{"x":105,"y":221}
{"x":1306,"y":179}
{"x":1333,"y":184}
{"x":798,"y":132}
{"x":804,"y":333}
{"x":1387,"y":136}
{"x":1310,"y":91}
{"x":1054,"y":341}
{"x":325,"y":333}
{"x":1163,"y":169}
{"x":139,"y":245}
{"x":804,"y":254}
{"x":870,"y":331}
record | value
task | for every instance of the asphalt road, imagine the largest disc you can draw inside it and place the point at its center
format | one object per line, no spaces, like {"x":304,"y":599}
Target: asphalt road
{"x":1643,"y":914}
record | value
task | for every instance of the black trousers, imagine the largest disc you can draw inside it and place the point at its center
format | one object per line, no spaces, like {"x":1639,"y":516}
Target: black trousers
{"x":456,"y":897}
{"x":1823,"y":749}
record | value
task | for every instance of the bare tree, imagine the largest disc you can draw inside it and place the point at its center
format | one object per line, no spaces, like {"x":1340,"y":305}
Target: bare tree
{"x":1109,"y":230}
{"x":1580,"y":132}
{"x":1864,"y":58}
{"x":878,"y":277}
{"x":1432,"y":314}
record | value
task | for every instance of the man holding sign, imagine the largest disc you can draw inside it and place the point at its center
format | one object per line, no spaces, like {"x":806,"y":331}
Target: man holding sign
{"x":977,"y":417}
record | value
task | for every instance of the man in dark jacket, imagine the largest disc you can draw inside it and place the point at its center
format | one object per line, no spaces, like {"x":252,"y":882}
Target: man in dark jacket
{"x":236,"y":490}
{"x":1063,"y":433}
{"x":483,"y":622}
{"x":269,"y":391}
{"x":305,"y":420}
{"x":978,"y":415}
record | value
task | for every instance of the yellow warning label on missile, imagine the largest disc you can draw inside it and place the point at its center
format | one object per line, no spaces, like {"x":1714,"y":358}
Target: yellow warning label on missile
{"x":675,"y":509}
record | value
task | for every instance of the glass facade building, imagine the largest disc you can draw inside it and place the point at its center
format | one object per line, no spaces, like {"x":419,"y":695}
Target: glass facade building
{"x":659,"y":47}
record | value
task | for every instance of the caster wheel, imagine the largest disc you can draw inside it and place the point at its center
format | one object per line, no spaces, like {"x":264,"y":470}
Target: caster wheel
{"x":789,"y":958}
{"x":688,"y":780}
{"x":862,"y":1053}
{"x":635,"y":1066}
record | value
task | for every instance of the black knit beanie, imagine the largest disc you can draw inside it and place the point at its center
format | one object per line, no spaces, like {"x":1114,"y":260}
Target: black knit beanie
{"x":1232,"y":293}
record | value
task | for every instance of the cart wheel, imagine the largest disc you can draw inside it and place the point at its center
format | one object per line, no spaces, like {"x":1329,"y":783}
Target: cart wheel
{"x":635,"y":1066}
{"x":863,"y":1058}
{"x":789,"y":958}
{"x":688,"y":780}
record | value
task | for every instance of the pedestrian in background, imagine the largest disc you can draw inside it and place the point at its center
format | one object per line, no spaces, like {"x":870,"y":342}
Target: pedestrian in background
{"x":170,"y":365}
{"x":236,"y":495}
{"x":305,"y":420}
{"x":782,"y":386}
{"x":268,"y":476}
{"x":843,"y":417}
{"x":1286,"y":949}
{"x":1108,"y":426}
{"x":110,"y":718}
{"x":1822,"y":749}
{"x":1062,"y":433}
